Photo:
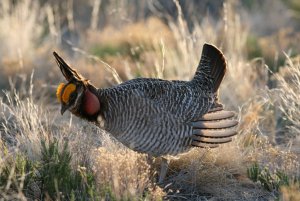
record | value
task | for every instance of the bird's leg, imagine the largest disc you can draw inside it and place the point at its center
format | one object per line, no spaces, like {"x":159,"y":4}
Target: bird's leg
{"x":163,"y":169}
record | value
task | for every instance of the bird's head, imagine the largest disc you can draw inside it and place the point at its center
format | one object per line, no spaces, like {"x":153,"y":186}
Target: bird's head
{"x":78,"y":95}
{"x":70,"y":96}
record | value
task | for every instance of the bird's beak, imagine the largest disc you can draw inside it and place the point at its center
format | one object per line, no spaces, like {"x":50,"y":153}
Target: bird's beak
{"x":63,"y":109}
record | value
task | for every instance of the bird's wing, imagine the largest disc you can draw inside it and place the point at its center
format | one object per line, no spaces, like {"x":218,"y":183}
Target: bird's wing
{"x":163,"y":117}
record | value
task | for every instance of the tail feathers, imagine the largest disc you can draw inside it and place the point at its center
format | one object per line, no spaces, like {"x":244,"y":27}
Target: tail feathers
{"x":213,"y":64}
{"x":214,"y":128}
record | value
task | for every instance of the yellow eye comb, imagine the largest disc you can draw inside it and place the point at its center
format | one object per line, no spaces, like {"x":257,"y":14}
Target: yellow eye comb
{"x":64,"y":97}
{"x":59,"y":90}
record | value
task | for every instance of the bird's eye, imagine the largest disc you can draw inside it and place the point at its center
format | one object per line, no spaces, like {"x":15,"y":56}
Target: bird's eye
{"x":73,"y":96}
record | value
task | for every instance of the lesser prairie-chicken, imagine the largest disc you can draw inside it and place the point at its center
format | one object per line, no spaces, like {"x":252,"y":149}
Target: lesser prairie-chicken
{"x":155,"y":116}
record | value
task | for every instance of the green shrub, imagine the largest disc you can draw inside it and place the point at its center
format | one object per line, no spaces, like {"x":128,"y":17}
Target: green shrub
{"x":269,"y":181}
{"x":253,"y":172}
{"x":53,"y":175}
{"x":57,"y":177}
{"x":18,"y":171}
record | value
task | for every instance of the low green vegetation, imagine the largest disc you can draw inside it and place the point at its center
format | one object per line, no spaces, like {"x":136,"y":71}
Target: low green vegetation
{"x":18,"y":173}
{"x":52,"y":173}
{"x":122,"y":49}
{"x":271,"y":181}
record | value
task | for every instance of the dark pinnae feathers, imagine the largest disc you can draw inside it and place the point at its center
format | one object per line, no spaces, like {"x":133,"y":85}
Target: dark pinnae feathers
{"x":68,"y":72}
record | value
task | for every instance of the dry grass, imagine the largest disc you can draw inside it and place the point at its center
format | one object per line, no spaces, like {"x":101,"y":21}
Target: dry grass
{"x":269,"y":118}
{"x":125,"y":173}
{"x":286,"y":98}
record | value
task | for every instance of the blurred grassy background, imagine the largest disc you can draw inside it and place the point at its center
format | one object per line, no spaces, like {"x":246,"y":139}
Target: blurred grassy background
{"x":124,"y":33}
{"x":110,"y":41}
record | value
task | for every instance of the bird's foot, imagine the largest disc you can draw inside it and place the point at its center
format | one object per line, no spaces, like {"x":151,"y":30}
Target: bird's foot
{"x":163,"y":169}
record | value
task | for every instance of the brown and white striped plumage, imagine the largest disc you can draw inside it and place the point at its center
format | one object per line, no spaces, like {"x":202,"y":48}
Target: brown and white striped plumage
{"x":160,"y":117}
